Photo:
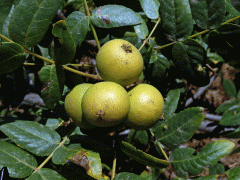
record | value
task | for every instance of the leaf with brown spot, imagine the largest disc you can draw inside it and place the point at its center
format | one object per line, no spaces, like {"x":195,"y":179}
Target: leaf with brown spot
{"x":87,"y":159}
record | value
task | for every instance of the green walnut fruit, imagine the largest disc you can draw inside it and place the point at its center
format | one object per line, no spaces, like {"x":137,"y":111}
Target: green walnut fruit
{"x":105,"y":104}
{"x":73,"y":105}
{"x":119,"y":61}
{"x":146,"y":106}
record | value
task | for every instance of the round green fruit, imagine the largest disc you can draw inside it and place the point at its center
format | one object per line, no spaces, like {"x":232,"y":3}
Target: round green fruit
{"x":73,"y":106}
{"x":146,"y":106}
{"x":105,"y":104}
{"x":119,"y":61}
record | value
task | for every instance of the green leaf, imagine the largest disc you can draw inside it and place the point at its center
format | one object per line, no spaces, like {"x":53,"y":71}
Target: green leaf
{"x":138,"y":136}
{"x":229,"y":88}
{"x":208,"y":13}
{"x":142,"y":157}
{"x":127,"y":175}
{"x":12,"y":56}
{"x":89,"y":160}
{"x":181,"y":127}
{"x":214,"y":57}
{"x":64,"y":49}
{"x":141,"y":29}
{"x":30,"y":20}
{"x":230,"y":9}
{"x":234,"y":173}
{"x":5,"y":6}
{"x":151,"y":8}
{"x":61,"y":154}
{"x":53,"y":123}
{"x":184,"y":161}
{"x":32,"y":136}
{"x":217,"y":168}
{"x":226,"y":105}
{"x":176,"y":19}
{"x":20,"y":164}
{"x":171,"y":103}
{"x":45,"y":174}
{"x":51,"y":91}
{"x":231,"y":117}
{"x":110,"y":16}
{"x":78,"y":25}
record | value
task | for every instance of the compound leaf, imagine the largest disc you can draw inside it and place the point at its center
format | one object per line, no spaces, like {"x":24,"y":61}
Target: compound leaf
{"x":176,"y":19}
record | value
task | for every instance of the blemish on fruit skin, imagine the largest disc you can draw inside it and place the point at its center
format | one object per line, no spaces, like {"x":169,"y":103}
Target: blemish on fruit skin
{"x":126,"y":48}
{"x":100,"y":114}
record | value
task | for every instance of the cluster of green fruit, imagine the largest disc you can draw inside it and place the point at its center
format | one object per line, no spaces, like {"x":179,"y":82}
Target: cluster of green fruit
{"x":107,"y":103}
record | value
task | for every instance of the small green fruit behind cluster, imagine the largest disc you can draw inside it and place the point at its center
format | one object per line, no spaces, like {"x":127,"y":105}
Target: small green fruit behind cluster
{"x":146,"y":106}
{"x":73,"y":105}
{"x":119,"y":61}
{"x":105,"y":104}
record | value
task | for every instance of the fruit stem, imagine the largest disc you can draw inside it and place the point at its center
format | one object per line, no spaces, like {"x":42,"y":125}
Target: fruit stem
{"x":114,"y":166}
{"x":93,"y":30}
{"x":154,"y":28}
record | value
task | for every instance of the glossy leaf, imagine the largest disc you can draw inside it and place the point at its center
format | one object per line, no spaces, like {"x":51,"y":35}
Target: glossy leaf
{"x":51,"y":91}
{"x":32,"y":136}
{"x":53,"y":123}
{"x":60,"y":155}
{"x":110,"y":16}
{"x":208,"y":13}
{"x":20,"y":164}
{"x":12,"y":56}
{"x":30,"y":20}
{"x":171,"y":103}
{"x":160,"y":65}
{"x":65,"y":48}
{"x":181,"y":127}
{"x":89,"y":160}
{"x":184,"y":161}
{"x":151,"y":8}
{"x":78,"y":25}
{"x":226,"y":105}
{"x":138,"y":136}
{"x":5,"y":6}
{"x":176,"y":19}
{"x":141,"y":29}
{"x":229,"y":88}
{"x":127,"y":176}
{"x":45,"y":174}
{"x":231,"y":117}
{"x":142,"y":157}
{"x":234,"y":173}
